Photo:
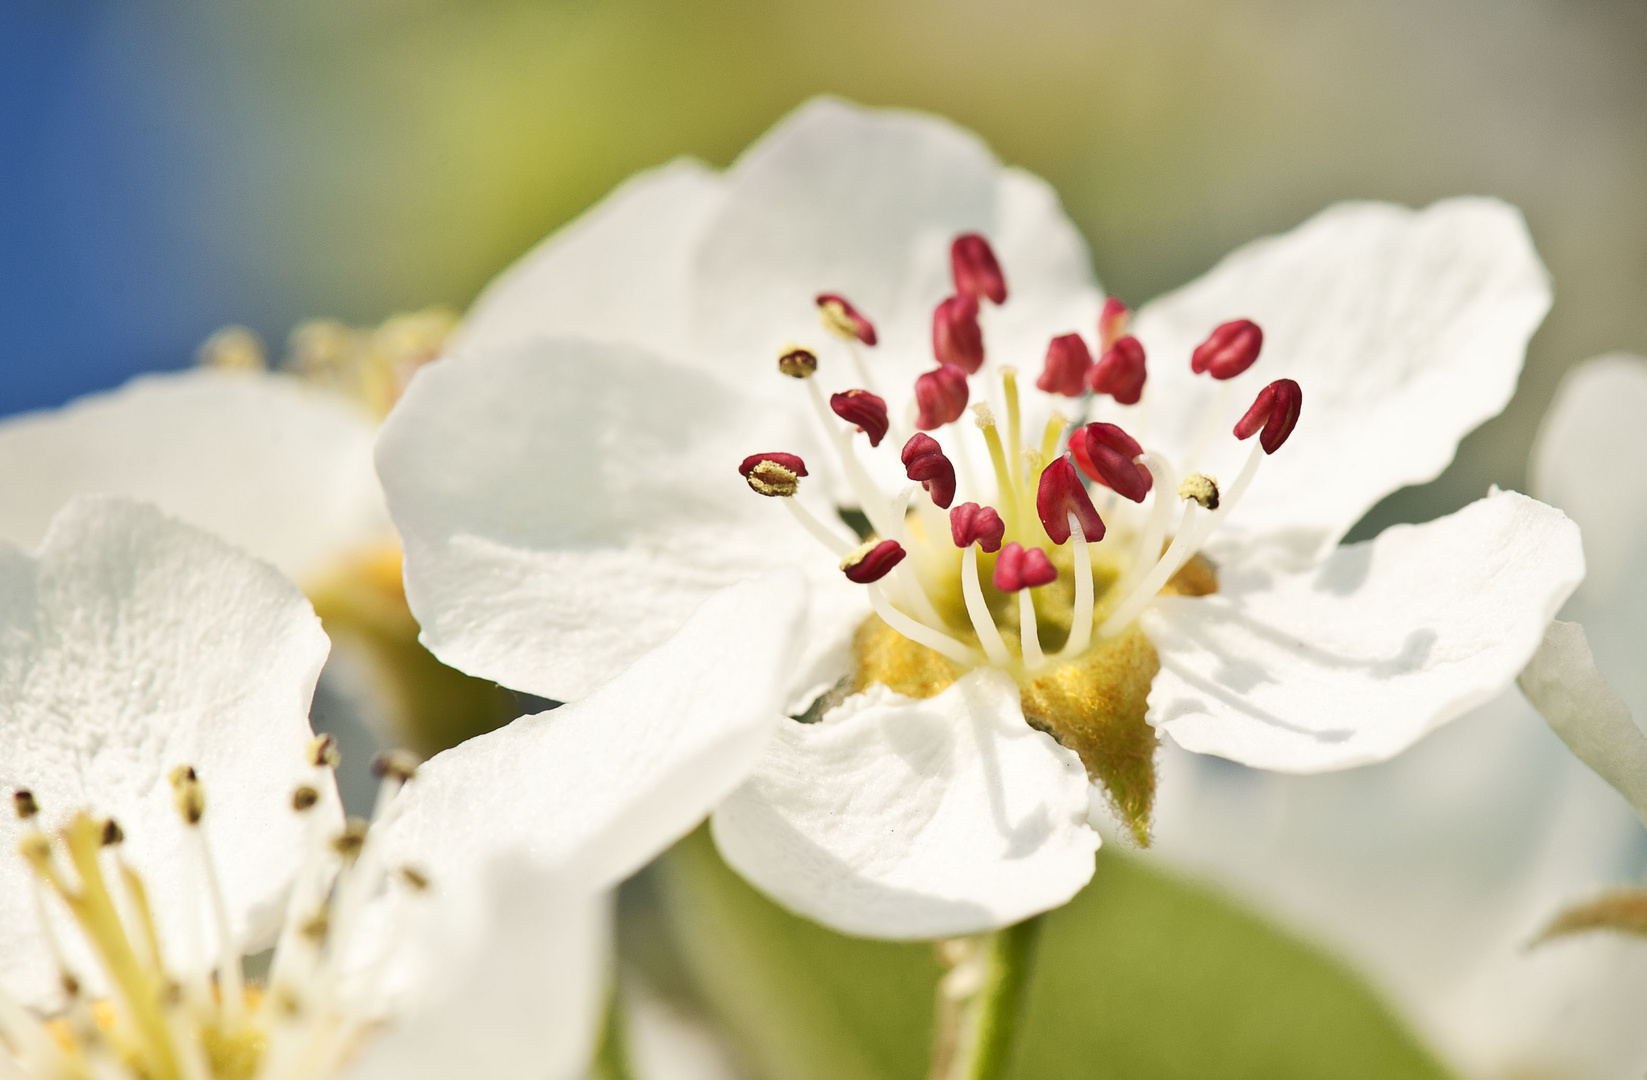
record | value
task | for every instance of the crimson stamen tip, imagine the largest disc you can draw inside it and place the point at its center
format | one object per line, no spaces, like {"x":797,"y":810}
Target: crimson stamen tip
{"x":1061,"y":494}
{"x":1229,"y":350}
{"x":971,"y":524}
{"x":843,"y":320}
{"x":973,"y":265}
{"x":864,"y":409}
{"x":1275,"y":410}
{"x":872,"y":560}
{"x":1018,"y":567}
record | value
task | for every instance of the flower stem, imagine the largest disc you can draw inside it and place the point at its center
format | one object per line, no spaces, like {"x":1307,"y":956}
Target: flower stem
{"x":980,"y":1000}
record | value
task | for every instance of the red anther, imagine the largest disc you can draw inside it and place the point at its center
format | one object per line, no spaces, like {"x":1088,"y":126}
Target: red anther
{"x":792,"y":462}
{"x":971,"y":524}
{"x":1062,"y":494}
{"x":864,"y":409}
{"x":1106,"y":453}
{"x":843,"y":319}
{"x":941,"y":396}
{"x":1068,"y":361}
{"x":1120,"y":371}
{"x":977,"y":274}
{"x":1276,"y":411}
{"x":1112,"y":323}
{"x":924,"y":461}
{"x":956,"y":336}
{"x":873,"y":561}
{"x":1017,"y":567}
{"x":1228,"y":350}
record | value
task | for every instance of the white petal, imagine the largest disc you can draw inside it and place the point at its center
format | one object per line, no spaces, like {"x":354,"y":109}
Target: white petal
{"x":1562,"y":681}
{"x":618,"y":776}
{"x":1590,"y":459}
{"x":618,"y":273}
{"x":280,"y":469}
{"x":509,"y":973}
{"x":566,"y":504}
{"x":1405,"y":329}
{"x":899,"y":818}
{"x":836,"y":198}
{"x":1355,"y":659}
{"x":131,"y":644}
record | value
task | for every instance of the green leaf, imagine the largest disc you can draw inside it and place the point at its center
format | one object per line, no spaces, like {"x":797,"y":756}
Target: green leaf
{"x":1142,"y":976}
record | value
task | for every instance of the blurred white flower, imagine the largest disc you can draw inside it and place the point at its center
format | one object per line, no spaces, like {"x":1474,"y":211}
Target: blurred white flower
{"x":1433,"y":873}
{"x":174,"y":814}
{"x":566,"y":494}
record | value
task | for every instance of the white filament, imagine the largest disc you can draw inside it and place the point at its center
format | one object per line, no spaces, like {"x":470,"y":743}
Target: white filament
{"x":989,"y":635}
{"x":1080,"y":626}
{"x":920,"y":633}
{"x":1028,"y":633}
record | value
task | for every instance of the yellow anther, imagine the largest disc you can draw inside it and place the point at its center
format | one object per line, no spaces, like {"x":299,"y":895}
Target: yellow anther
{"x":323,"y":752}
{"x":353,"y":837}
{"x":1200,"y":487}
{"x":798,"y":362}
{"x":304,"y":798}
{"x":397,"y":764}
{"x":983,"y":415}
{"x":833,"y":315}
{"x":773,"y":480}
{"x":191,"y":796}
{"x":233,"y":348}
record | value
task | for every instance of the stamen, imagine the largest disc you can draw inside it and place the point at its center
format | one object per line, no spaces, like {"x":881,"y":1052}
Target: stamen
{"x":1182,"y":547}
{"x":997,"y":456}
{"x":1018,"y":568}
{"x":1009,"y":384}
{"x":798,"y":362}
{"x":1110,"y":456}
{"x":775,"y":475}
{"x":397,"y":766}
{"x":866,"y":410}
{"x":976,"y":272}
{"x":924,"y":461}
{"x":1029,"y":634}
{"x":1080,"y":625}
{"x":956,"y":336}
{"x":977,"y":609}
{"x":1275,"y":410}
{"x":872,"y":560}
{"x":1148,"y":548}
{"x":1200,"y":487}
{"x":191,"y":805}
{"x":1060,"y":497}
{"x":1049,"y":438}
{"x":1229,"y":350}
{"x":936,"y":640}
{"x":22,"y":801}
{"x":1112,"y":323}
{"x":870,"y":497}
{"x":940,"y":396}
{"x":1067,"y":364}
{"x":843,"y":320}
{"x":971,"y":524}
{"x":323,"y":750}
{"x":820,"y":532}
{"x":1120,"y":371}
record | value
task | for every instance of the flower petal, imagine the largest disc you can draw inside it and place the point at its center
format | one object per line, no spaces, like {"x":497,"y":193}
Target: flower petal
{"x":618,"y":273}
{"x":1353,"y":660}
{"x":1562,"y":681}
{"x":130,"y":644}
{"x":618,"y":776}
{"x":1406,"y":329}
{"x":507,"y":981}
{"x":277,"y":468}
{"x":566,"y":504}
{"x":900,"y":818}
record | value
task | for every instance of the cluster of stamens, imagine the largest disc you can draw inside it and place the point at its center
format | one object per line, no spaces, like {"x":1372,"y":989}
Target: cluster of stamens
{"x":1042,"y":496}
{"x":173,"y":1013}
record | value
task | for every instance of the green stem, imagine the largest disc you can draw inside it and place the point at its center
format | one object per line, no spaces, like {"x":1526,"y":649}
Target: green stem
{"x":1000,"y":1001}
{"x":980,"y":1001}
{"x":612,"y":1055}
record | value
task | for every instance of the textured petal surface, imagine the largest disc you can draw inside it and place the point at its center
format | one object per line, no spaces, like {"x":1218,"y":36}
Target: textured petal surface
{"x":1562,"y":681}
{"x":130,"y":644}
{"x":509,"y":975}
{"x":618,"y":273}
{"x":1405,"y":329}
{"x":616,"y":777}
{"x":566,"y":504}
{"x":899,"y":818}
{"x":282,"y":470}
{"x":1430,"y":873}
{"x":1353,"y":660}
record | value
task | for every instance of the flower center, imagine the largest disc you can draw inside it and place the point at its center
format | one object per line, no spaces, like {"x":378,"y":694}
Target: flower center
{"x":173,"y":1013}
{"x":1031,"y":575}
